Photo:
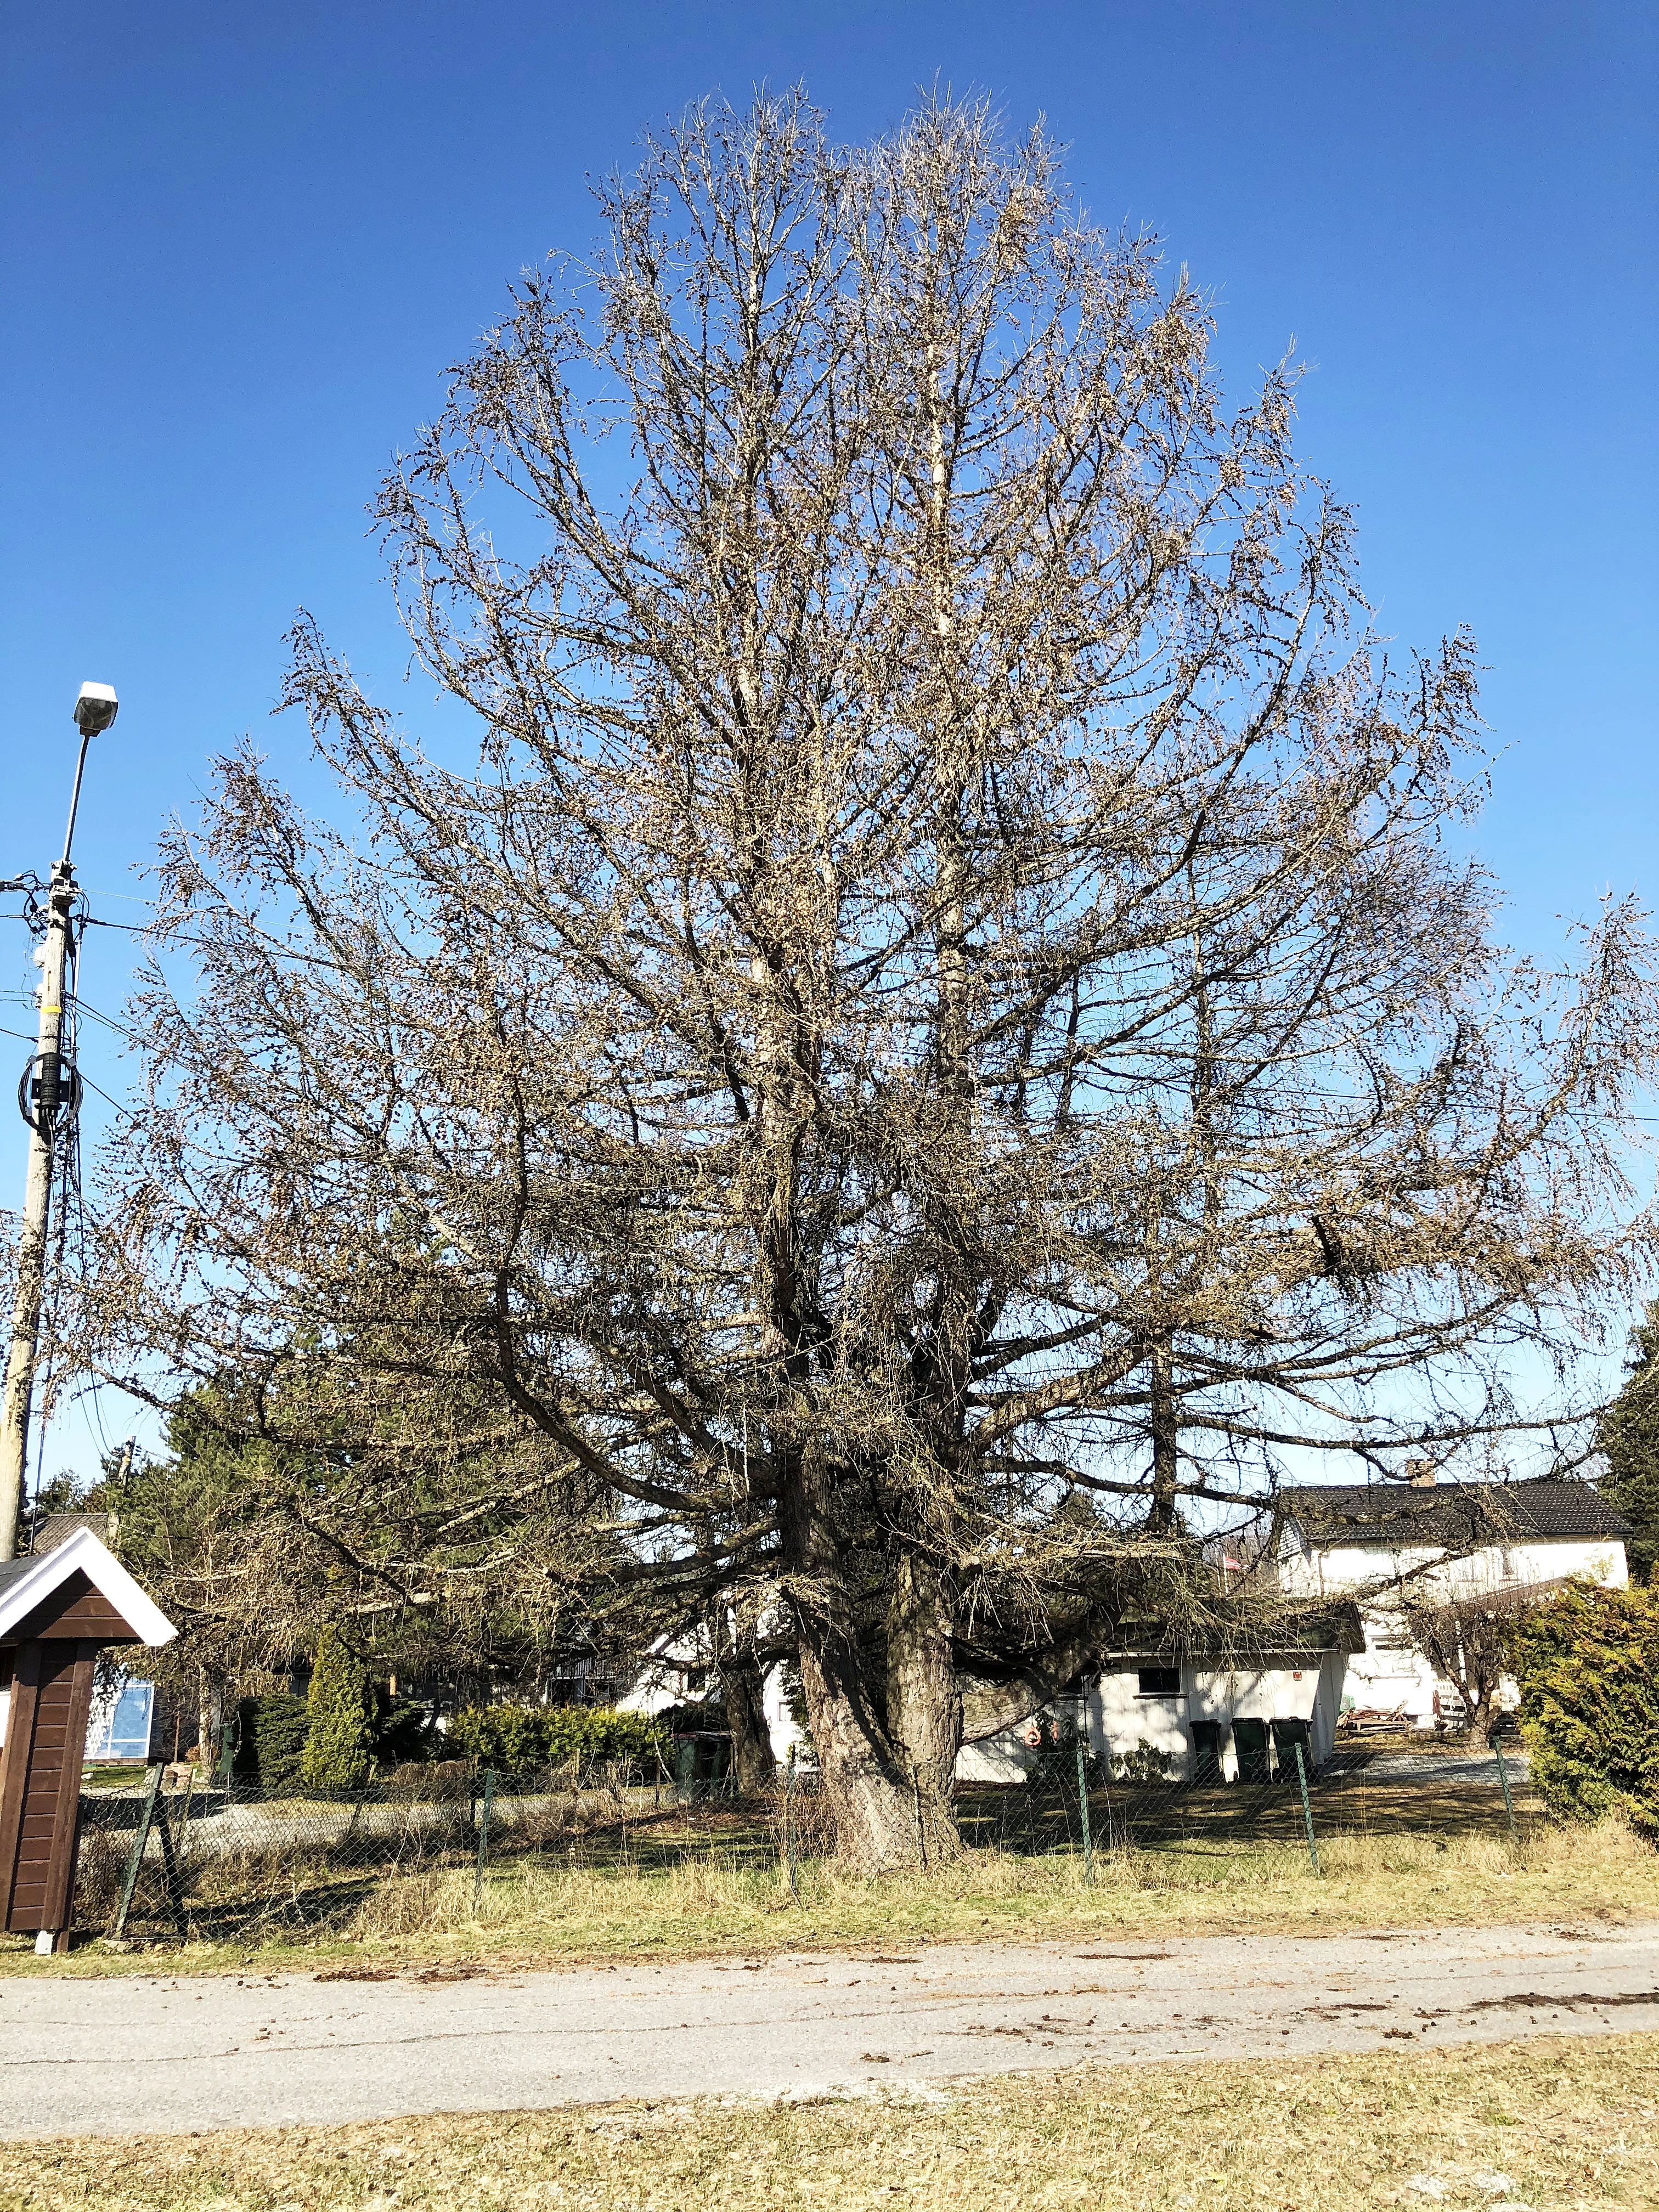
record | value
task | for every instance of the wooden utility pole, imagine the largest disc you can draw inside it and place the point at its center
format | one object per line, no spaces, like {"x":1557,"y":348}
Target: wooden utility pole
{"x":48,"y":1095}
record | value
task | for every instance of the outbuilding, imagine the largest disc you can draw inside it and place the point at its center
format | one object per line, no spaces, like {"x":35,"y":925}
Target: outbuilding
{"x":1157,"y":1712}
{"x":59,"y":1611}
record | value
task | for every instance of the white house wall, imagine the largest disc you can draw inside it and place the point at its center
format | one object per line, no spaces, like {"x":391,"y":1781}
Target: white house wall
{"x":1120,"y":1719}
{"x":780,"y":1721}
{"x":1331,"y":1570}
{"x":663,"y":1682}
{"x":1390,"y":1674}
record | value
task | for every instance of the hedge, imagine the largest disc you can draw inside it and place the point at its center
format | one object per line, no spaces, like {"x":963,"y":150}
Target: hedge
{"x":1587,"y":1663}
{"x":514,"y":1738}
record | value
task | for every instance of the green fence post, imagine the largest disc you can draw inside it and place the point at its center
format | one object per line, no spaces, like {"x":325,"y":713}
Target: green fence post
{"x":483,"y":1835}
{"x":1307,"y":1809}
{"x":789,"y":1822}
{"x":1083,"y":1808}
{"x":172,"y":1869}
{"x":1509,"y":1801}
{"x":135,"y":1856}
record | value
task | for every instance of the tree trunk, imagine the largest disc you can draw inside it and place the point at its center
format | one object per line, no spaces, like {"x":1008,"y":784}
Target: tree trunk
{"x":875,"y":1818}
{"x":207,"y":1701}
{"x":924,"y":1701}
{"x":1477,"y":1683}
{"x":742,"y":1687}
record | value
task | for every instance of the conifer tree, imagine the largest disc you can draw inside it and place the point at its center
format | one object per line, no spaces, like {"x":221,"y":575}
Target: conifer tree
{"x":339,"y":1751}
{"x":936,"y":1039}
{"x":1587,"y":1665}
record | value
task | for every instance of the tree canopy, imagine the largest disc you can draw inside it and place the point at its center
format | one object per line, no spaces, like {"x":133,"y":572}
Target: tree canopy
{"x":916,"y":1024}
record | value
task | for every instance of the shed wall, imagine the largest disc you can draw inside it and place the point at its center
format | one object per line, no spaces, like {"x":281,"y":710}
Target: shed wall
{"x":1120,"y":1718}
{"x":41,"y":1781}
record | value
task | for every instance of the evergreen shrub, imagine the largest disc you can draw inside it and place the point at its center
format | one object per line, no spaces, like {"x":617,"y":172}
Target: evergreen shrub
{"x":339,"y":1751}
{"x":1587,"y":1663}
{"x":1145,"y":1764}
{"x":269,"y":1740}
{"x":404,"y":1732}
{"x":512,"y":1739}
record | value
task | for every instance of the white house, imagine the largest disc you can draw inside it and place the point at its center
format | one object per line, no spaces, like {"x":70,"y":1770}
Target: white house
{"x":1218,"y":1717}
{"x":677,"y":1671}
{"x":1208,"y":1717}
{"x":1368,"y":1541}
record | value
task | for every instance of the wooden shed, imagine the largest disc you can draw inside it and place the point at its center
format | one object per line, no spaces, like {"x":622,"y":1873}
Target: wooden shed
{"x":57,"y":1611}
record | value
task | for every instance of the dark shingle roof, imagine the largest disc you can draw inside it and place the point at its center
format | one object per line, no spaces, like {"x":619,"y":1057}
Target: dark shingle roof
{"x":1448,"y":1512}
{"x":58,"y":1528}
{"x":1234,"y":1635}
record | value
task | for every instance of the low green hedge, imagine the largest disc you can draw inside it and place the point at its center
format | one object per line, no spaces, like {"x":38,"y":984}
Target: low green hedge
{"x":514,"y":1738}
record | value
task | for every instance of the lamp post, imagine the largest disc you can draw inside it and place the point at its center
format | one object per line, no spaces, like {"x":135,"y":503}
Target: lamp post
{"x":48,"y":1096}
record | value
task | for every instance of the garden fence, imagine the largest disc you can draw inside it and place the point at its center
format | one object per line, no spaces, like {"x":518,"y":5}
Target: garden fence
{"x":163,"y":1856}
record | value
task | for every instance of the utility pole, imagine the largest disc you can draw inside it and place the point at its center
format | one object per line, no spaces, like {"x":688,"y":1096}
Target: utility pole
{"x":48,"y":1095}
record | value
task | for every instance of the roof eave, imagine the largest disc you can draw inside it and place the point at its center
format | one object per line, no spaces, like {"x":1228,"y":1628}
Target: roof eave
{"x":82,"y":1553}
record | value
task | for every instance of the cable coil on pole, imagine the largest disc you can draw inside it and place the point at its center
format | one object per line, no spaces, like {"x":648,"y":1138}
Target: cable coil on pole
{"x":50,"y":1085}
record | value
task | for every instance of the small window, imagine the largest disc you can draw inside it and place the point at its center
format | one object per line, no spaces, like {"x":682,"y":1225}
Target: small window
{"x":1159,"y":1681}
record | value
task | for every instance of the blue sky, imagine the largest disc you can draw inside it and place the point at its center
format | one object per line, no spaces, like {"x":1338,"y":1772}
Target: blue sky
{"x":239,"y":246}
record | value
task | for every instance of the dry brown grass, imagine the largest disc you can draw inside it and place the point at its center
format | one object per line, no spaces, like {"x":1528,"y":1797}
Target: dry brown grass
{"x":534,"y":1911}
{"x":1552,"y":2123}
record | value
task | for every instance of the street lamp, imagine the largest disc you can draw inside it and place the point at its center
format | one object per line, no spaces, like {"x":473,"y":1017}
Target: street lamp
{"x":48,"y":1096}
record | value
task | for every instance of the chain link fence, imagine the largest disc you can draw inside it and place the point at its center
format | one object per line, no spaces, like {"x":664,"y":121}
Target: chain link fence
{"x":1074,"y":1801}
{"x":164,"y":1858}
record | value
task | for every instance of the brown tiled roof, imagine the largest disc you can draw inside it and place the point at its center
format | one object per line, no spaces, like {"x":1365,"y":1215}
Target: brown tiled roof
{"x":1447,"y":1513}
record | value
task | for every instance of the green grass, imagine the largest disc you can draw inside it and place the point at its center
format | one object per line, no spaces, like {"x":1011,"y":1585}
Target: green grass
{"x":1551,"y":2123}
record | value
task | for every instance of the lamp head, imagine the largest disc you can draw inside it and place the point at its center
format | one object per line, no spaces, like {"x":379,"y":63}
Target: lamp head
{"x":95,"y":708}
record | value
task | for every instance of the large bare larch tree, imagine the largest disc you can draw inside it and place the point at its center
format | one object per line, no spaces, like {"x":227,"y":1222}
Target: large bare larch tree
{"x":924,"y":1021}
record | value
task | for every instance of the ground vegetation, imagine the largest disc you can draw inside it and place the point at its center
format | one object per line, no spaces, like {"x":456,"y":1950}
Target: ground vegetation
{"x":1554,"y":2121}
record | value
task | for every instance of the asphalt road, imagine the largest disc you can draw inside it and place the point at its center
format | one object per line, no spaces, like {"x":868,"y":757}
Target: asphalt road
{"x":129,"y":2055}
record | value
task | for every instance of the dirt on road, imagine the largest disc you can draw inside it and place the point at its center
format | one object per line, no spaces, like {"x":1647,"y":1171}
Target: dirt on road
{"x":135,"y":2054}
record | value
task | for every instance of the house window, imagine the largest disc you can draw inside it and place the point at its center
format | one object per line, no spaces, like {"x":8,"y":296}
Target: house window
{"x":1159,"y":1681}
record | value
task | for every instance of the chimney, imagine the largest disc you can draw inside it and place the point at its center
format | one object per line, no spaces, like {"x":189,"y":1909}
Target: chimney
{"x":1420,"y":1473}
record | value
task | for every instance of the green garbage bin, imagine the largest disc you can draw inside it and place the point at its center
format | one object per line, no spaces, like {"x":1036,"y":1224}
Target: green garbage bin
{"x":1250,"y":1748}
{"x":1287,"y":1735}
{"x":1207,"y":1753}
